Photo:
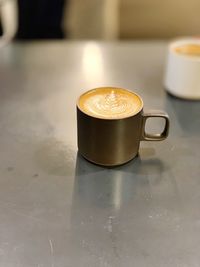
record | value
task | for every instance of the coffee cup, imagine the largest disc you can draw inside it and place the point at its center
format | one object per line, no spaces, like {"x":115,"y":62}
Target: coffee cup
{"x":111,"y":124}
{"x":182,"y":77}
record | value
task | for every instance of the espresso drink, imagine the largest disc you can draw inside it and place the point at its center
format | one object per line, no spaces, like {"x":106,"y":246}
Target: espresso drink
{"x":188,"y":49}
{"x":111,"y":124}
{"x":110,"y":103}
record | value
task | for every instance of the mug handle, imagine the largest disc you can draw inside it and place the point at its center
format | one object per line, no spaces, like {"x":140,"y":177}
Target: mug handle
{"x":159,"y":136}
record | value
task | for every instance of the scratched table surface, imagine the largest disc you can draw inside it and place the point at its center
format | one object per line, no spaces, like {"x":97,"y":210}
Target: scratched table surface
{"x":58,"y":210}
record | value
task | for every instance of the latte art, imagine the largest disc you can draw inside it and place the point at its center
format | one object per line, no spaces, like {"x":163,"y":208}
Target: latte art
{"x":110,"y":103}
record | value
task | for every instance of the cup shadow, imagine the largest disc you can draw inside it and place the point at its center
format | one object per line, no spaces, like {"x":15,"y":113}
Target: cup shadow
{"x":113,"y":187}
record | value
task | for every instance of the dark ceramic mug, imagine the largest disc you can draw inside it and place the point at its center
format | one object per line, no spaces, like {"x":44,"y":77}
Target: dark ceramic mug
{"x":111,"y":142}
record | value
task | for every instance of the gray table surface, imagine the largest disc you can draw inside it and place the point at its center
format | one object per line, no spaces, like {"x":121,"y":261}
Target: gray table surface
{"x":58,"y":210}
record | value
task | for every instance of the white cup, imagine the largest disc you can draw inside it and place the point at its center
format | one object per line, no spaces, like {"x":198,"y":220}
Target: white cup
{"x":9,"y":20}
{"x":182,"y":77}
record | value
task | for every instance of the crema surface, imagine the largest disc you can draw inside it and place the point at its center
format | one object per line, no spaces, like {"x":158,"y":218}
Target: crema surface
{"x":110,"y":103}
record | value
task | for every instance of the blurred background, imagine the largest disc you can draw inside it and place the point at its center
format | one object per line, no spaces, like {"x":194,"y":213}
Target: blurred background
{"x":98,"y":19}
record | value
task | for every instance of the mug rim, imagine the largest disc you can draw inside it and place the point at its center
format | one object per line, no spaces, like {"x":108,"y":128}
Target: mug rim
{"x":110,"y":87}
{"x":183,"y":41}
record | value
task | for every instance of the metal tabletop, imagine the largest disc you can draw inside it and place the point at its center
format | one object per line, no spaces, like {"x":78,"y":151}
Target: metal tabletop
{"x":57,"y":209}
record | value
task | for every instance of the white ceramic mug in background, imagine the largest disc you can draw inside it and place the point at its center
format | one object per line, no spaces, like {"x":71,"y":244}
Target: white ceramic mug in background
{"x":182,"y":77}
{"x":9,"y":20}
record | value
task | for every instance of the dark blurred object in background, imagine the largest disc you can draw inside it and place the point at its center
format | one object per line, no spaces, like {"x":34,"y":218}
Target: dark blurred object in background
{"x":1,"y":32}
{"x":40,"y":19}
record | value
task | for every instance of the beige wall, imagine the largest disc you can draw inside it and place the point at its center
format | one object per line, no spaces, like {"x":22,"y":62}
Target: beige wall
{"x":110,"y":19}
{"x":92,"y":19}
{"x":159,"y":18}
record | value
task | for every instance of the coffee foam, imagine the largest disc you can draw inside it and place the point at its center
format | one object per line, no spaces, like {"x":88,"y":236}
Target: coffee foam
{"x":188,"y":49}
{"x":110,"y":103}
